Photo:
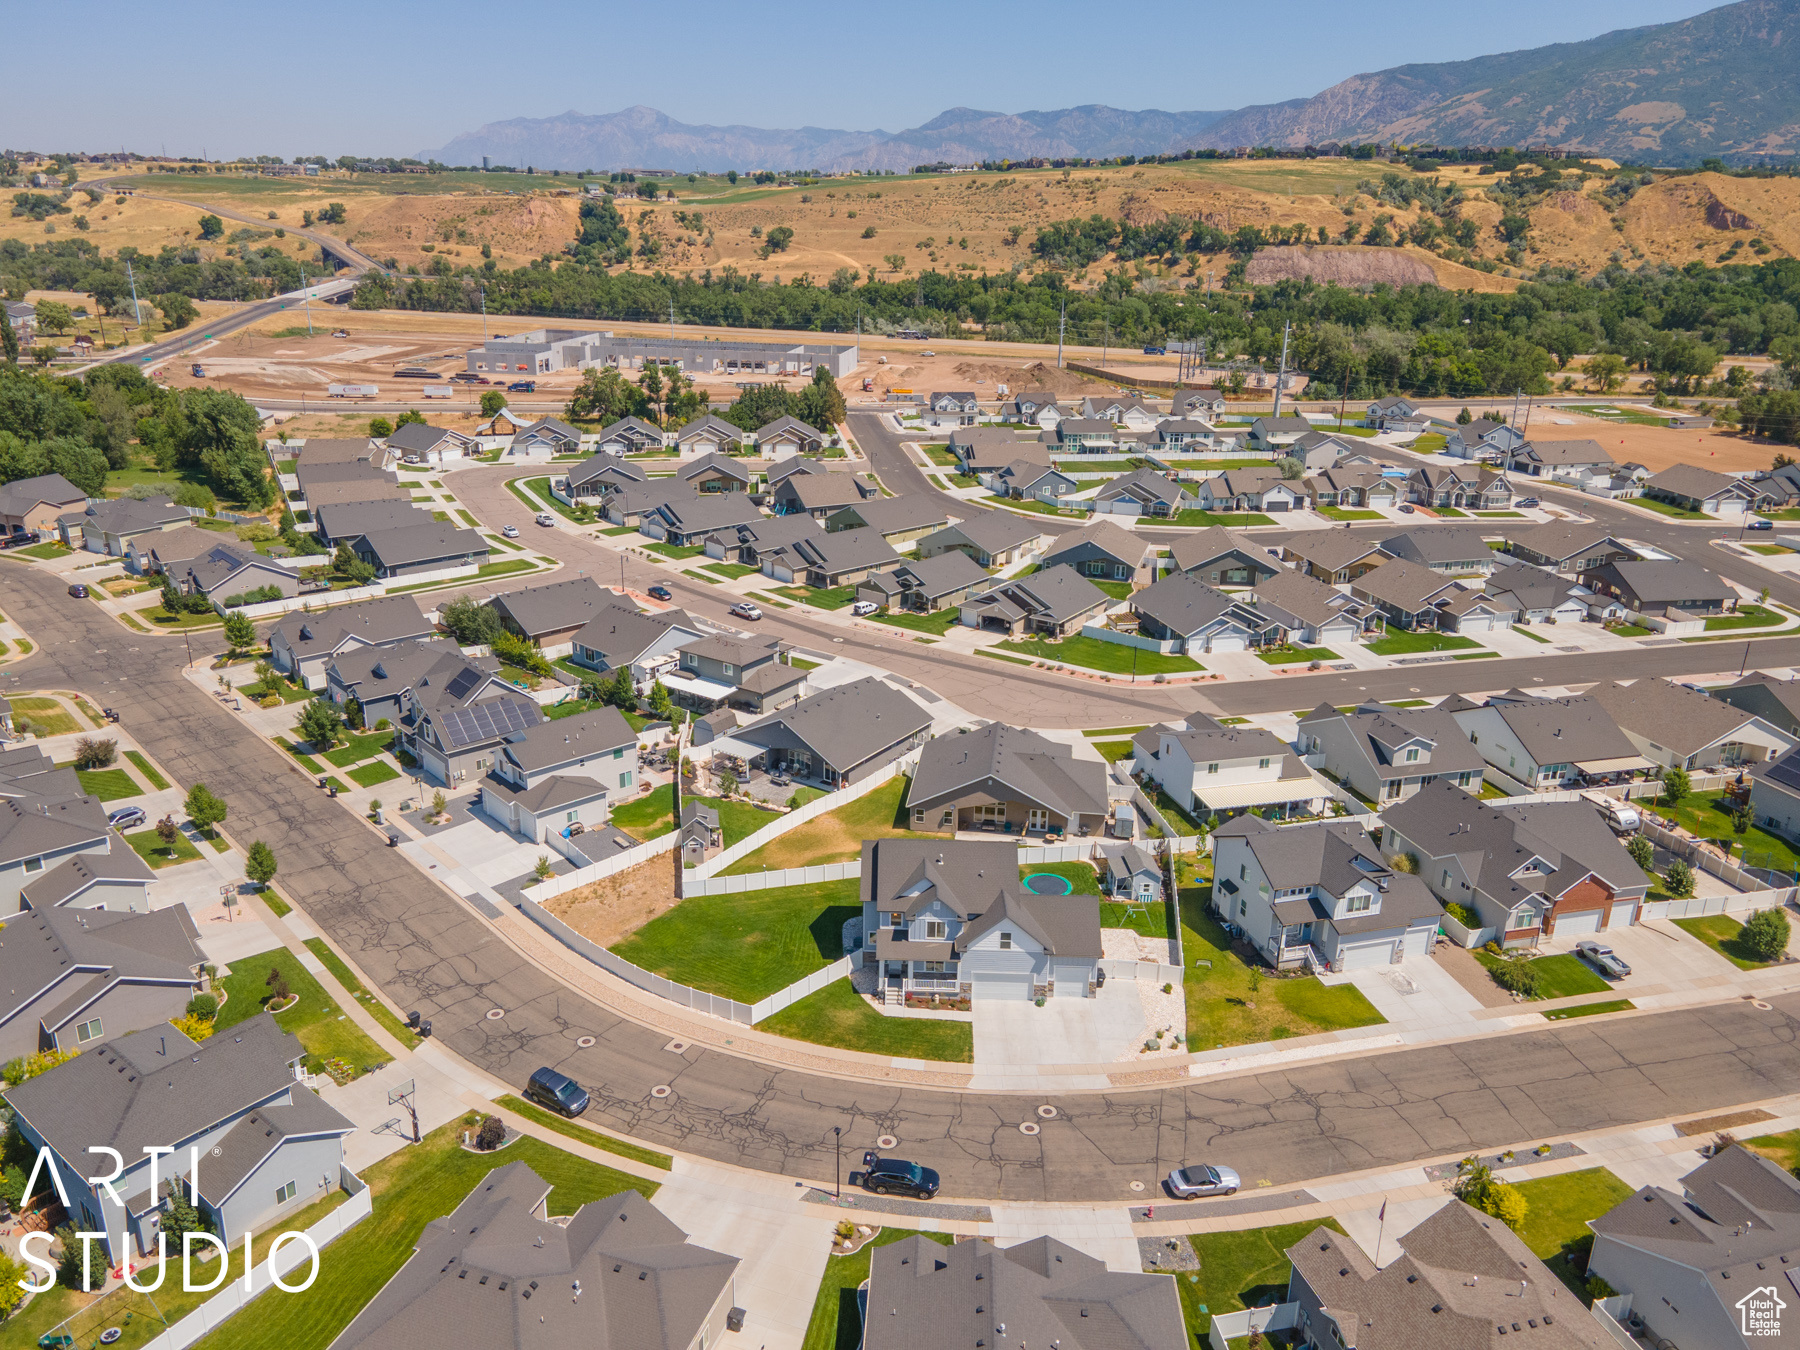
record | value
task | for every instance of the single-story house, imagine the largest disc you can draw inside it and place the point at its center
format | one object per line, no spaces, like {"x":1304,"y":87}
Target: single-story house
{"x":426,"y":547}
{"x":109,"y":526}
{"x":597,"y":476}
{"x":1006,"y":779}
{"x":1695,"y":489}
{"x":844,"y":557}
{"x":422,"y":443}
{"x":1563,"y":546}
{"x":1183,"y":609}
{"x":1250,"y":490}
{"x":1143,"y":492}
{"x":1354,"y":487}
{"x":1539,"y":595}
{"x":833,"y":738}
{"x":925,"y":585}
{"x":1126,"y":412}
{"x":1776,"y":701}
{"x":1674,"y":590}
{"x":1579,"y":460}
{"x":1679,"y":727}
{"x":551,"y":614}
{"x":1222,"y":557}
{"x":544,"y":438}
{"x":686,"y":521}
{"x":766,"y":544}
{"x":787,"y":436}
{"x":629,"y":436}
{"x":1314,"y":614}
{"x":818,"y":494}
{"x":983,"y":449}
{"x":227,"y":573}
{"x":709,"y":435}
{"x":1102,"y":550}
{"x":991,"y":538}
{"x":1334,"y":556}
{"x":1055,"y":601}
{"x":1550,"y":743}
{"x":1408,"y":594}
{"x":1028,"y":480}
{"x":1455,"y":550}
{"x":1276,"y":433}
{"x":34,"y":505}
{"x":713,"y":472}
{"x":344,"y":521}
{"x":899,"y":520}
{"x":301,"y":644}
{"x":619,"y":638}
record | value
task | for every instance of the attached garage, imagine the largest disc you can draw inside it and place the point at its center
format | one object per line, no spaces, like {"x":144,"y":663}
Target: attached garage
{"x":1477,"y":623}
{"x":1418,"y":941}
{"x":1624,"y":914}
{"x":1222,"y":642}
{"x":1072,"y":980}
{"x":1362,"y":955}
{"x":1581,"y":921}
{"x":1001,"y":985}
{"x":1277,"y":504}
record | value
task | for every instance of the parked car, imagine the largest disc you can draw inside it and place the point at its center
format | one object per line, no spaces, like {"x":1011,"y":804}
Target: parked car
{"x":1190,"y":1183}
{"x":1760,"y":524}
{"x":127,"y":817}
{"x":340,"y":332}
{"x":661,"y":592}
{"x":927,"y":353}
{"x":1406,"y":508}
{"x":862,"y":607}
{"x":561,"y":1093}
{"x":509,"y":531}
{"x":1526,"y":502}
{"x":1603,"y":959}
{"x":895,"y":1176}
{"x":745,"y":610}
{"x":19,"y":539}
{"x":522,"y":387}
{"x":545,"y":518}
{"x":469,"y":377}
{"x":78,"y":591}
{"x":1156,"y":351}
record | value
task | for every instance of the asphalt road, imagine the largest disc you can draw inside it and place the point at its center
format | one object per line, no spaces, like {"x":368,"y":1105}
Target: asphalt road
{"x":428,"y":950}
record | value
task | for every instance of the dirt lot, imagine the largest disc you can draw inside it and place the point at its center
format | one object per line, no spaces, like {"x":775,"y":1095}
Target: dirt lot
{"x":1656,"y":448}
{"x":607,"y":910}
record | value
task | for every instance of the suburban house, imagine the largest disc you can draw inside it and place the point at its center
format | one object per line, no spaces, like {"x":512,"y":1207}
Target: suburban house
{"x":708,"y":435}
{"x":227,"y":574}
{"x":833,"y":738}
{"x":1250,"y":490}
{"x":956,"y":407}
{"x":1456,"y":550}
{"x":346,"y":475}
{"x":555,"y":775}
{"x":818,"y":494}
{"x":34,"y":505}
{"x":1006,"y":779}
{"x":1483,"y":438}
{"x":456,"y":726}
{"x":314,"y":452}
{"x":899,"y":520}
{"x":925,"y":585}
{"x":1318,"y":450}
{"x":1198,"y":619}
{"x":301,"y":644}
{"x":1563,"y":546}
{"x":1272,"y":434}
{"x":1677,"y":591}
{"x":1397,"y":414}
{"x":1679,"y":727}
{"x":1527,"y":872}
{"x":111,"y":525}
{"x":1203,"y":403}
{"x":1333,"y":556}
{"x":1222,"y":557}
{"x":1143,"y":492}
{"x":1028,"y":480}
{"x":1775,"y":794}
{"x":544,"y":439}
{"x":1102,"y":550}
{"x":1081,"y":436}
{"x":1538,"y":595}
{"x":1776,"y":702}
{"x":629,"y":436}
{"x":268,"y":1146}
{"x":1386,"y":754}
{"x":334,"y":523}
{"x":1319,"y":896}
{"x":1706,"y":1267}
{"x":1544,"y":744}
{"x":638,"y":1283}
{"x":992,"y":538}
{"x":1043,"y":1292}
{"x":550,"y":615}
{"x":1183,"y":436}
{"x":429,"y":546}
{"x":686,"y":521}
{"x":422,"y":443}
{"x":171,"y":551}
{"x":1408,"y":594}
{"x":619,"y":637}
{"x":952,"y":917}
{"x":633,"y":504}
{"x":76,"y":977}
{"x":1126,"y":412}
{"x":1697,"y":489}
{"x":1460,"y":486}
{"x":981,"y":449}
{"x":1052,"y":602}
{"x":1212,"y":770}
{"x":710,"y":669}
{"x":767,"y":544}
{"x":843,"y":558}
{"x":714,"y":472}
{"x":383,"y":679}
{"x":1036,"y":406}
{"x":1462,"y":1279}
{"x":1578,"y":461}
{"x":114,"y":879}
{"x":47,"y":821}
{"x":1314,"y":614}
{"x":1355,"y":487}
{"x":596,"y":477}
{"x":789,"y":436}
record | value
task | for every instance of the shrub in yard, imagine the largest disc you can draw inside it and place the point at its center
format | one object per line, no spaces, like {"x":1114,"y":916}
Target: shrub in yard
{"x":1518,"y":975}
{"x":278,"y":986}
{"x":1642,"y":852}
{"x":1598,"y":1289}
{"x":1679,"y":879}
{"x":203,"y":1005}
{"x":491,"y":1134}
{"x":95,"y":752}
{"x":1766,"y":935}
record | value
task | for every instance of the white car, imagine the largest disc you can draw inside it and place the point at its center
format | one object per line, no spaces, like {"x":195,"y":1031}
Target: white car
{"x":545,"y":518}
{"x":1190,"y":1183}
{"x":510,"y":531}
{"x":862,"y":607}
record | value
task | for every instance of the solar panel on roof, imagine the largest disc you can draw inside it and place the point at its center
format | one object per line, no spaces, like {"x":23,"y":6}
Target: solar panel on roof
{"x":466,"y":680}
{"x":482,"y":721}
{"x":1785,"y":771}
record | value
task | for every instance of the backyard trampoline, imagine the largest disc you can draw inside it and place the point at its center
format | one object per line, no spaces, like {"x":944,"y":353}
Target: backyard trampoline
{"x":1047,"y":883}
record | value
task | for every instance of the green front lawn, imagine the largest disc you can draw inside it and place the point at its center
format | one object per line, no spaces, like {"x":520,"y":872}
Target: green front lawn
{"x":1219,"y":1000}
{"x":342,"y":973}
{"x":837,"y":836}
{"x":1023,"y":503}
{"x":1200,"y":520}
{"x":1115,"y":658}
{"x":1281,"y":656}
{"x":1699,"y":815}
{"x":156,"y":780}
{"x":1560,"y":976}
{"x":48,"y":549}
{"x":149,"y":847}
{"x":1783,"y":1148}
{"x":819,"y":597}
{"x":1112,"y":751}
{"x":649,"y":816}
{"x":940,"y":455}
{"x":108,"y":785}
{"x":1670,"y":509}
{"x":1347,"y":513}
{"x":410,"y":1189}
{"x":1177,"y":815}
{"x":535,"y":493}
{"x":836,"y":1324}
{"x":47,"y":714}
{"x":1449,"y":513}
{"x":1242,"y":1269}
{"x":839,"y":1016}
{"x":333,"y":1042}
{"x":730,"y":571}
{"x":1081,"y":876}
{"x":1402,"y":644}
{"x":1557,"y":1213}
{"x":937,"y":622}
{"x":373,"y":774}
{"x":1491,"y":515}
{"x":592,"y":1138}
{"x":737,"y":820}
{"x":1768,"y":550}
{"x":1535,"y":636}
{"x":1746,"y":616}
{"x":676,"y":551}
{"x":746,"y":946}
{"x":359,"y":748}
{"x":1723,"y":934}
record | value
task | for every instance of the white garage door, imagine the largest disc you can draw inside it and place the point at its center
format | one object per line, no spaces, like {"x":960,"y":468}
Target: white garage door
{"x":1624,"y":914}
{"x":1582,"y":921}
{"x":1367,"y":954}
{"x":1418,"y":941}
{"x":1475,"y":623}
{"x":1071,"y":982}
{"x":1001,"y":985}
{"x":1225,"y":644}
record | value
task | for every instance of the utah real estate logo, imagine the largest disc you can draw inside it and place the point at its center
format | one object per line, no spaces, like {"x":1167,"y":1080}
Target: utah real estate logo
{"x":1760,"y":1312}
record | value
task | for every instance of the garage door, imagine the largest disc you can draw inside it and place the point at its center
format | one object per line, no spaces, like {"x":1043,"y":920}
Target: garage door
{"x":1276,"y":504}
{"x":1624,"y":914}
{"x":1071,"y":982}
{"x":1582,"y":921}
{"x":1418,"y":941}
{"x":1475,"y":623}
{"x":1367,"y":954}
{"x":1225,"y":644}
{"x":1001,"y":986}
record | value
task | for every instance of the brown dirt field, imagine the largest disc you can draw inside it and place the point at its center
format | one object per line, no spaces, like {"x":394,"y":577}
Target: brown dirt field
{"x":1656,"y":448}
{"x":609,"y":909}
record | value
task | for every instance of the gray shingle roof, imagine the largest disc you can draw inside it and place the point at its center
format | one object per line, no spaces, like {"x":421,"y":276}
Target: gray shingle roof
{"x":989,"y":531}
{"x":385,"y":620}
{"x":75,"y":874}
{"x":346,"y":520}
{"x":427,"y":541}
{"x":1560,"y":539}
{"x":943,"y":573}
{"x":619,"y":633}
{"x":1302,"y":597}
{"x":1667,"y":582}
{"x":1185,"y":604}
{"x":1406,"y":585}
{"x":1683,"y":720}
{"x":1378,"y":731}
{"x":1199,"y":547}
{"x":1332,"y":550}
{"x":713,"y":463}
{"x":1439,"y":544}
{"x":48,"y":944}
{"x":248,"y":1143}
{"x":846,"y":725}
{"x":1574,"y":730}
{"x":1114,"y":541}
{"x":1142,"y":484}
{"x":846,"y":550}
{"x":1015,"y":761}
{"x":1533,"y":587}
{"x":418,"y":437}
{"x":890,"y":515}
{"x":555,"y":607}
{"x":599,"y":731}
{"x":1058,"y":594}
{"x":1564,"y":452}
{"x":20,"y":495}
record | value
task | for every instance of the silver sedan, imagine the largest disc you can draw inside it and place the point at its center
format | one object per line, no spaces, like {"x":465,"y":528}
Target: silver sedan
{"x":1189,"y":1183}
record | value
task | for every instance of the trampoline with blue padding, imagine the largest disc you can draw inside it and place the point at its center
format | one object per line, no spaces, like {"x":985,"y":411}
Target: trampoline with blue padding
{"x":1048,"y":883}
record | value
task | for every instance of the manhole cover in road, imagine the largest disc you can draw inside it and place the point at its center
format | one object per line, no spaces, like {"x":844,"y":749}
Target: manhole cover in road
{"x":1758,"y":1003}
{"x":1137,"y":1185}
{"x":1030,"y":1127}
{"x":585,"y":1042}
{"x":1047,"y":1113}
{"x":495,"y":1014}
{"x":661,"y":1090}
{"x":887,"y":1141}
{"x":676,"y":1047}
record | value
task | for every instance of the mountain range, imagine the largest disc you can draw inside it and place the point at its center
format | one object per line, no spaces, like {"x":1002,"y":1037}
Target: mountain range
{"x":1720,"y":83}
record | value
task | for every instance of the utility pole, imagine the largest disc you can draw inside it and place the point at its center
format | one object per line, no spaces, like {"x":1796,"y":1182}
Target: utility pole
{"x":137,"y":313}
{"x":1061,"y":323}
{"x":671,"y":320}
{"x":484,"y":336}
{"x":1281,"y":377}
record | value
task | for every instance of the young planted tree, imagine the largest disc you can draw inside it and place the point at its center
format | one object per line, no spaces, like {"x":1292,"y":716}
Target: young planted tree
{"x":260,"y":864}
{"x":168,"y":832}
{"x":1642,"y":852}
{"x":1766,"y":934}
{"x":320,"y":725}
{"x":1679,"y":879}
{"x":1676,"y":785}
{"x":240,"y":632}
{"x":204,"y":808}
{"x":95,"y":752}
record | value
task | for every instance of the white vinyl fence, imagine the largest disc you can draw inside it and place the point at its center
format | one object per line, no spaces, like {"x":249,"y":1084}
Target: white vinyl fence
{"x":1118,"y":969}
{"x":768,"y":881}
{"x":1706,"y":859}
{"x":1695,"y":907}
{"x":606,"y":867}
{"x":1228,"y":1327}
{"x":818,"y":806}
{"x":323,"y":599}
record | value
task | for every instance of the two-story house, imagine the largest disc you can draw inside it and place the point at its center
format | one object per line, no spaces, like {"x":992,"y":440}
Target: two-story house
{"x":1314,"y":614}
{"x":1549,"y":743}
{"x":1396,"y":413}
{"x":46,"y":823}
{"x":302,"y":644}
{"x":1319,"y":896}
{"x":382,"y":680}
{"x":952,"y":917}
{"x":559,"y":774}
{"x":1199,"y":619}
{"x":1526,"y":872}
{"x":458,"y":719}
{"x":267,"y":1146}
{"x":709,"y":669}
{"x":1386,"y":754}
{"x":1212,"y":770}
{"x":1007,"y":779}
{"x":618,"y":637}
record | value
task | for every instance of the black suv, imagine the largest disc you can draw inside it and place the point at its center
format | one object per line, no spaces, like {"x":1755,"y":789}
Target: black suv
{"x":557,"y":1091}
{"x":895,"y":1176}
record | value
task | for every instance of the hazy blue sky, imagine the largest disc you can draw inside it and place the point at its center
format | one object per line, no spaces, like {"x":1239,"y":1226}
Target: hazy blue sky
{"x":399,"y":76}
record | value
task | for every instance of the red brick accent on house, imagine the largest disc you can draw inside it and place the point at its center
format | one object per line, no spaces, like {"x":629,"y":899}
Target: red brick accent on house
{"x":1589,"y":893}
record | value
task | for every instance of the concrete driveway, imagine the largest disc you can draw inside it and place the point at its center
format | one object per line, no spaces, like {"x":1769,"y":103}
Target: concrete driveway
{"x":478,"y":848}
{"x":1659,"y":954}
{"x":1419,"y":998}
{"x":1094,"y":1030}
